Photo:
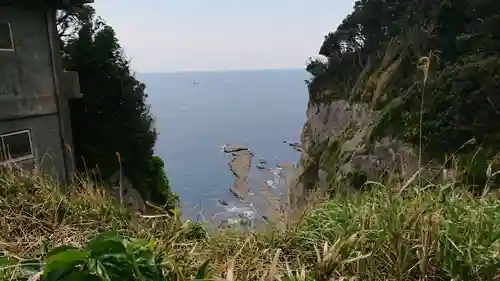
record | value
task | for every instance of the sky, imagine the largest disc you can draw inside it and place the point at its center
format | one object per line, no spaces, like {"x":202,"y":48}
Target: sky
{"x":187,"y":35}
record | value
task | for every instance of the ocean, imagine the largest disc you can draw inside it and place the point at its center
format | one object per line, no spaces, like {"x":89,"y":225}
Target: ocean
{"x":198,"y":112}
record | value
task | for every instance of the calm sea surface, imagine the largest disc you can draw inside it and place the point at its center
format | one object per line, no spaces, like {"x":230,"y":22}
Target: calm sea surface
{"x":198,"y":112}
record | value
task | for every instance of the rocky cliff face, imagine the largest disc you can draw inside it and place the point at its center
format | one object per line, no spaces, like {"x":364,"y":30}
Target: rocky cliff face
{"x":339,"y":153}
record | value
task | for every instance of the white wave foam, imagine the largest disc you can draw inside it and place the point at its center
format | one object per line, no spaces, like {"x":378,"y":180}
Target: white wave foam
{"x":223,"y":148}
{"x":271,"y":184}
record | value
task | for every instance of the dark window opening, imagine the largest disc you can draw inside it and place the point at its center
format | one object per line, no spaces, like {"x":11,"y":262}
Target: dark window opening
{"x":16,"y":146}
{"x":6,"y":42}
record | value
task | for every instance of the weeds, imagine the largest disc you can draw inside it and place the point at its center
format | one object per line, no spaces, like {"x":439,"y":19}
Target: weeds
{"x":420,"y":233}
{"x":108,"y":256}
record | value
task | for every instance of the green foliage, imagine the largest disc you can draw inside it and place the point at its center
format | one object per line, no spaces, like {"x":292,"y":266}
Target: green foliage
{"x":196,"y":231}
{"x":461,"y":41}
{"x":110,"y":257}
{"x":113,"y":115}
{"x":107,"y":257}
{"x":159,"y":185}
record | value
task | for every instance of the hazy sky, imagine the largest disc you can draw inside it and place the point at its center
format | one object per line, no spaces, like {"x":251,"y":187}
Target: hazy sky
{"x":173,"y":35}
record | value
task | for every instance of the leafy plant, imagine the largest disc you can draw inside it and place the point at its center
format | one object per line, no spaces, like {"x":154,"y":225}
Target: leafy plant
{"x":110,"y":257}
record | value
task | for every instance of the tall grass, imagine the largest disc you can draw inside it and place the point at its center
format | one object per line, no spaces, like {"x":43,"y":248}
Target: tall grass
{"x":422,"y":233}
{"x":436,"y":233}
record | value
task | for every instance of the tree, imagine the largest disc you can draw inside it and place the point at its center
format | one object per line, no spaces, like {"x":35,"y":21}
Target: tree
{"x":460,"y":38}
{"x":112,"y":117}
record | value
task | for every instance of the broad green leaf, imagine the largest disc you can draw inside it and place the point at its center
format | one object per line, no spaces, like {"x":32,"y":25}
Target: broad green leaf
{"x":111,"y":267}
{"x":138,"y":245}
{"x":57,"y":275}
{"x":65,"y":260}
{"x":105,"y":244}
{"x":78,"y":275}
{"x":104,"y":237}
{"x":59,"y":250}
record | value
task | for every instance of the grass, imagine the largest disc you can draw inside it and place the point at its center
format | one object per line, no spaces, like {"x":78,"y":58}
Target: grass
{"x":428,"y":233}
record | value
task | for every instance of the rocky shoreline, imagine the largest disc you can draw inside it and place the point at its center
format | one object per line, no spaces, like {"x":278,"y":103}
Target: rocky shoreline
{"x":267,"y":205}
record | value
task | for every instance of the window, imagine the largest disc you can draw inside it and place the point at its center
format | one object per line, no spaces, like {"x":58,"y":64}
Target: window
{"x":6,"y":43}
{"x":16,"y":146}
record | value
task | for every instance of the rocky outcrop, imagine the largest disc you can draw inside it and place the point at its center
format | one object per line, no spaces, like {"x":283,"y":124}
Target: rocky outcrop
{"x":129,"y":197}
{"x":240,"y":167}
{"x":338,"y":149}
{"x":265,"y":205}
{"x":295,"y":145}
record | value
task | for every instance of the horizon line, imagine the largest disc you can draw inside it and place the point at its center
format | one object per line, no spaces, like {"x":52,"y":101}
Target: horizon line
{"x":218,"y":70}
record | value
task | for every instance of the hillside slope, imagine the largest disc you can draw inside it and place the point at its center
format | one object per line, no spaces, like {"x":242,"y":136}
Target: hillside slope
{"x":405,"y":84}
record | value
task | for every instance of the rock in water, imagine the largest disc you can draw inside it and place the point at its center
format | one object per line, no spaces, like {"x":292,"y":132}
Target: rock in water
{"x":234,"y":148}
{"x":260,"y":166}
{"x":240,"y":167}
{"x":222,"y":202}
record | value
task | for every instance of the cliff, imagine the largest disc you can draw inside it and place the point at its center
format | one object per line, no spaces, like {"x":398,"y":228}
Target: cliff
{"x":396,"y":89}
{"x":340,"y":155}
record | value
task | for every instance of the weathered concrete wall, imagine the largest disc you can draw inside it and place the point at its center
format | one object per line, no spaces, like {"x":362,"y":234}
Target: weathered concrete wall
{"x":45,"y":139}
{"x":26,"y":75}
{"x":32,"y":87}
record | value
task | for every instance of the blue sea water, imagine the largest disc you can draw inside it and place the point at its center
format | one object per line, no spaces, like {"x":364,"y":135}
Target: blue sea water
{"x":198,"y":112}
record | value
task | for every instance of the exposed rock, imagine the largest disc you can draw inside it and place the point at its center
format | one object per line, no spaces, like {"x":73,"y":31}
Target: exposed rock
{"x":335,"y":143}
{"x":240,"y":167}
{"x":273,"y":208}
{"x":295,"y":145}
{"x":132,"y":199}
{"x":327,"y":121}
{"x":234,"y":148}
{"x":260,"y":166}
{"x":295,"y":196}
{"x":240,"y":222}
{"x":222,"y":202}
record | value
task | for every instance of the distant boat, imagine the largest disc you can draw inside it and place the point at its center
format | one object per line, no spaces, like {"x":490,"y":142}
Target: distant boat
{"x":195,"y":83}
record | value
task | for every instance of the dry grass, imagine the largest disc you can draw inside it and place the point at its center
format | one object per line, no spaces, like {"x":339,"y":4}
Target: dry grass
{"x":432,"y":233}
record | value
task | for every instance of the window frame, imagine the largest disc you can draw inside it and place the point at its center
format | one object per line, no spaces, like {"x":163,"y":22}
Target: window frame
{"x":18,"y":159}
{"x":13,"y":49}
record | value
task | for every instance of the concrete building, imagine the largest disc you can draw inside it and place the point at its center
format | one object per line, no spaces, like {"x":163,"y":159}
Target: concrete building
{"x":35,"y":126}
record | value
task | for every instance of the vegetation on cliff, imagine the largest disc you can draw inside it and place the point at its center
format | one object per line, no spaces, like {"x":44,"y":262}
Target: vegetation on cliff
{"x":112,"y":116}
{"x":432,"y":68}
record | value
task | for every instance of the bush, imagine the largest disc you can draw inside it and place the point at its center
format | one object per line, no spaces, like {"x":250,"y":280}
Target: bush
{"x":159,"y":185}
